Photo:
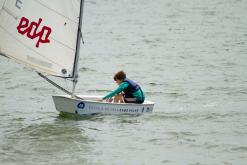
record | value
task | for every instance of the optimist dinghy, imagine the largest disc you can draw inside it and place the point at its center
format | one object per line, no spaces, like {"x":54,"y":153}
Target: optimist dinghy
{"x":45,"y":36}
{"x":64,"y":103}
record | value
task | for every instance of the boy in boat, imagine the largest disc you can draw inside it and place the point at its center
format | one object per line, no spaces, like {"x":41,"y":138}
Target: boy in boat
{"x":128,"y":91}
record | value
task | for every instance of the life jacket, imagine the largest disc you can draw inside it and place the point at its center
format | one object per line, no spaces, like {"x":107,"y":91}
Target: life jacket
{"x":132,"y":88}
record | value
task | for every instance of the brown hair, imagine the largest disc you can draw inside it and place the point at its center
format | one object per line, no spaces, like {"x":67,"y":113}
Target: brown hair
{"x":119,"y":75}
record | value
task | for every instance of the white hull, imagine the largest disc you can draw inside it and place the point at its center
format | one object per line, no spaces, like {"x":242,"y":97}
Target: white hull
{"x":90,"y":105}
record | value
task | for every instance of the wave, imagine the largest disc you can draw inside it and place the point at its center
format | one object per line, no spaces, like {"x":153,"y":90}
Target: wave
{"x":240,"y":148}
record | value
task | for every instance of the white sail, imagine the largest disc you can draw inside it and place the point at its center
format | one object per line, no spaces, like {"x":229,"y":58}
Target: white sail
{"x":40,"y":34}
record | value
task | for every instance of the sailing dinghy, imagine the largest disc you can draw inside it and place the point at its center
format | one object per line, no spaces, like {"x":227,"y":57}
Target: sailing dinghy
{"x":45,"y":36}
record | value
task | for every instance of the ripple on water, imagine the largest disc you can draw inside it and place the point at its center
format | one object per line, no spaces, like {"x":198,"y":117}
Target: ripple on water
{"x":168,"y":116}
{"x":16,"y":86}
{"x":241,"y":149}
{"x":86,"y":69}
{"x":40,"y":138}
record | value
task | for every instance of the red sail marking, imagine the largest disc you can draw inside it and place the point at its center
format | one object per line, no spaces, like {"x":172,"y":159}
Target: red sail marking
{"x":31,"y":30}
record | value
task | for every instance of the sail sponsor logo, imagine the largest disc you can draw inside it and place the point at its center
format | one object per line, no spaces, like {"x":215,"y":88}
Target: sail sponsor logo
{"x":30,"y":29}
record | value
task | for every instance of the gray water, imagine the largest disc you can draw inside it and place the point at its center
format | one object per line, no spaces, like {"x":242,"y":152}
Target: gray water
{"x":189,"y":56}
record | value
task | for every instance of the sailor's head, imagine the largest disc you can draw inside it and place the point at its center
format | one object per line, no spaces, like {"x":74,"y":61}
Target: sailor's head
{"x":119,"y":77}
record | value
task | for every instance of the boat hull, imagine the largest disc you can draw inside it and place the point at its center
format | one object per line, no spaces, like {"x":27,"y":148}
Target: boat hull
{"x":90,"y":105}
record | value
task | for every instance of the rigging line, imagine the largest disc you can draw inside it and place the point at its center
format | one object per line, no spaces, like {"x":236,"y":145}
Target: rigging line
{"x":82,"y":40}
{"x":78,"y":43}
{"x":77,"y":52}
{"x":56,"y":11}
{"x":30,"y":48}
{"x":58,"y":86}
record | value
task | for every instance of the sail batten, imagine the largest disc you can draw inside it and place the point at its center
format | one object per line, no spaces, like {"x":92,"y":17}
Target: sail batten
{"x":41,"y":34}
{"x":75,"y":21}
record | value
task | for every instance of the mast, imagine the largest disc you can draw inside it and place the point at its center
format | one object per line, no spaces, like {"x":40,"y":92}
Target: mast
{"x":77,"y":52}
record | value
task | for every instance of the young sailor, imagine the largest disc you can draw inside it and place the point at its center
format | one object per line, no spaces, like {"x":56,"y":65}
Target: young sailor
{"x":128,"y":91}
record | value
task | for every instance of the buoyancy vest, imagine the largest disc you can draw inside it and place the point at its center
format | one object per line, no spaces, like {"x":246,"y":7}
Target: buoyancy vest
{"x":132,"y":88}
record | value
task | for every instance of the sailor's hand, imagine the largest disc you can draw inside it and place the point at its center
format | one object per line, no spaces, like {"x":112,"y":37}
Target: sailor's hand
{"x":99,"y":100}
{"x":109,"y":100}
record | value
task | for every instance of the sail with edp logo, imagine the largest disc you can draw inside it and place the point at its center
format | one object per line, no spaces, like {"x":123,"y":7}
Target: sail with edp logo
{"x":46,"y":37}
{"x":38,"y":33}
